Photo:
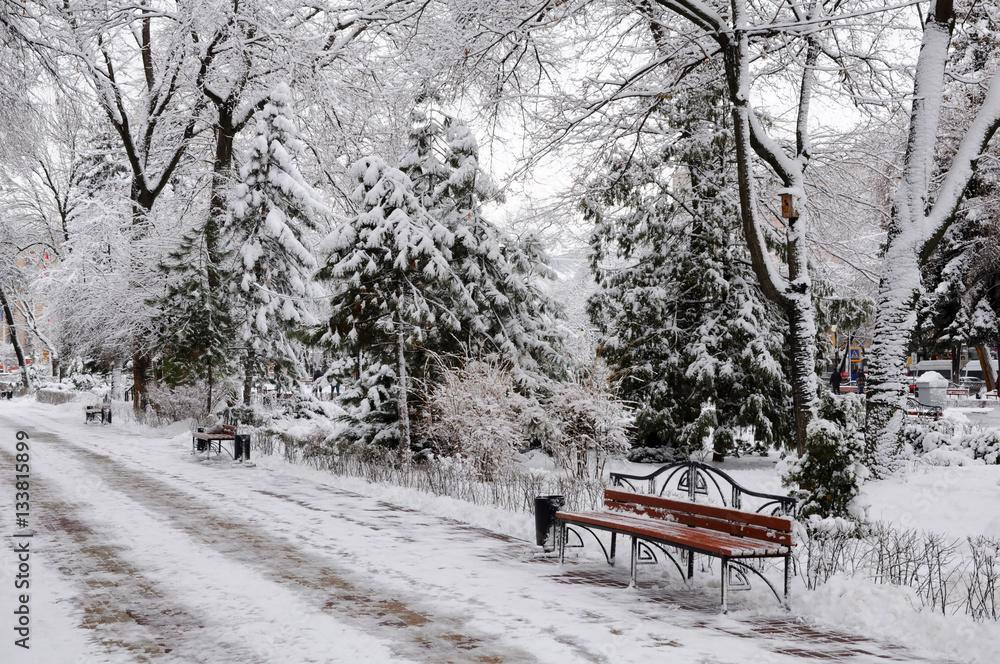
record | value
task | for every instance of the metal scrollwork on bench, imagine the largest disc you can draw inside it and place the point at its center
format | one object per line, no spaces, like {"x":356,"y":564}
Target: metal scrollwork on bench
{"x":573,"y":529}
{"x":738,"y":579}
{"x":646,"y":556}
{"x":695,"y":478}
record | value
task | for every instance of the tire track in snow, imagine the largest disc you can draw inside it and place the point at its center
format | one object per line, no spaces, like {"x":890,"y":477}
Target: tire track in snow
{"x":126,"y":612}
{"x":413,"y":634}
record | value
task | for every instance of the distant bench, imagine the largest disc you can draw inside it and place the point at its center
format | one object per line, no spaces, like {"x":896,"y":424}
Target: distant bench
{"x":732,"y":535}
{"x":202,"y":441}
{"x":103,"y":410}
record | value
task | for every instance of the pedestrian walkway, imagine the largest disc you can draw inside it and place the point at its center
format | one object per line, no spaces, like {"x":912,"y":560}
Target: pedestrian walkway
{"x":173,"y":559}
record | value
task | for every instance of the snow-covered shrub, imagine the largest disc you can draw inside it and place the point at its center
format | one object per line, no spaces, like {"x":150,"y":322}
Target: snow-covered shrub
{"x":941,"y":443}
{"x":656,"y":455}
{"x":983,"y":580}
{"x":84,"y":381}
{"x":925,"y":437}
{"x":830,"y":474}
{"x":172,"y":404}
{"x":474,"y":412}
{"x":54,"y":396}
{"x":584,"y":426}
{"x":984,"y":445}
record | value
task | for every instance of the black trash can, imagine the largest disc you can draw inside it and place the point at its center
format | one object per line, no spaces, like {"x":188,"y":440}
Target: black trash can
{"x":241,"y":447}
{"x":545,"y":520}
{"x":200,"y":444}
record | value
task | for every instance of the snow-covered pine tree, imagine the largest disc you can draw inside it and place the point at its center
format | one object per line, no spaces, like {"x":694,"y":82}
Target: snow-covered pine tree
{"x":423,"y":162}
{"x":698,"y":348}
{"x":272,"y":207}
{"x":195,"y":325}
{"x":514,"y":321}
{"x":393,"y":285}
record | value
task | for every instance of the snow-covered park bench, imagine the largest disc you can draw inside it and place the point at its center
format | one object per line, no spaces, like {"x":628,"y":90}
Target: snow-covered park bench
{"x":733,"y":536}
{"x":739,"y":524}
{"x":102,"y":409}
{"x":209,"y":441}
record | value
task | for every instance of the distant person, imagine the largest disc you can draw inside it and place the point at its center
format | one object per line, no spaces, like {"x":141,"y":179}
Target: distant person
{"x":835,"y":380}
{"x":861,"y":383}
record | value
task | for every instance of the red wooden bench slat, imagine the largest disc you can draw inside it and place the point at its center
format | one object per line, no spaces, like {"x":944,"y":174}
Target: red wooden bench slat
{"x":689,"y":519}
{"x":723,"y":513}
{"x":229,"y":432}
{"x":707,"y":541}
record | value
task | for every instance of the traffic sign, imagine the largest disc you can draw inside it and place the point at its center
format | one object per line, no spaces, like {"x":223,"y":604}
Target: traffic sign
{"x":855,"y":354}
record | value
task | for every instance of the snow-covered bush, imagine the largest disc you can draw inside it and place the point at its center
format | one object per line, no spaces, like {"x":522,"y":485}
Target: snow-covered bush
{"x":172,"y":404}
{"x":475,"y":413}
{"x":584,"y":425}
{"x":985,"y":446}
{"x":830,"y":474}
{"x":942,"y":443}
{"x":947,"y":575}
{"x":54,"y":396}
{"x":84,"y":381}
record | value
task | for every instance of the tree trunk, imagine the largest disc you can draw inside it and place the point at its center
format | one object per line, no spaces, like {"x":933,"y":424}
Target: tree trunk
{"x":221,"y":175}
{"x":803,"y":357}
{"x":894,"y":325}
{"x":248,"y":372}
{"x":900,"y":284}
{"x":401,"y":404}
{"x":208,"y":406}
{"x":795,"y":295}
{"x":116,"y":382}
{"x":18,"y":351}
{"x":140,"y":370}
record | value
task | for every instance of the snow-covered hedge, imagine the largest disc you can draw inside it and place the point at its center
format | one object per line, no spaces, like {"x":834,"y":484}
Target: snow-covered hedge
{"x":947,"y":575}
{"x":943,"y":443}
{"x":512,"y":487}
{"x":54,"y":395}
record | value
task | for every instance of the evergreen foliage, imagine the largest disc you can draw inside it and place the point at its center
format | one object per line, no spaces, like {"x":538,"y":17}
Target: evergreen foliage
{"x":830,"y":475}
{"x":272,"y":209}
{"x":423,"y":281}
{"x":195,"y":324}
{"x":512,"y":321}
{"x":698,"y":348}
{"x":393,"y":285}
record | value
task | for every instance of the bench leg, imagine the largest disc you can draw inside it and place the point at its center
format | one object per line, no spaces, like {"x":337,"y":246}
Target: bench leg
{"x":614,"y":541}
{"x":788,"y":578}
{"x":634,"y":561}
{"x":690,"y":564}
{"x":561,"y":540}
{"x":725,"y":583}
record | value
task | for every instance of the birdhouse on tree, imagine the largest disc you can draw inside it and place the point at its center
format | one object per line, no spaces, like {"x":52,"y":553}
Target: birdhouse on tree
{"x":787,"y":211}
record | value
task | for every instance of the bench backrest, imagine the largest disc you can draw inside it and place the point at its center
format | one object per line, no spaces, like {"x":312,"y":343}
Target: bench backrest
{"x":722,"y":519}
{"x":229,"y":429}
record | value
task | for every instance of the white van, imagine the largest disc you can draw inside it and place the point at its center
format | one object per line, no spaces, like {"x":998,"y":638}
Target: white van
{"x":970,"y":376}
{"x":943,"y":367}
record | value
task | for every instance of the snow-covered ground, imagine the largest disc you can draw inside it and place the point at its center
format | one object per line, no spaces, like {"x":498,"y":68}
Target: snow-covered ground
{"x":143,"y":552}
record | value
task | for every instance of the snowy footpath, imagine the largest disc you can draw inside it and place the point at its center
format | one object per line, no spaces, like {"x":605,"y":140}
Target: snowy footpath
{"x":140,"y":552}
